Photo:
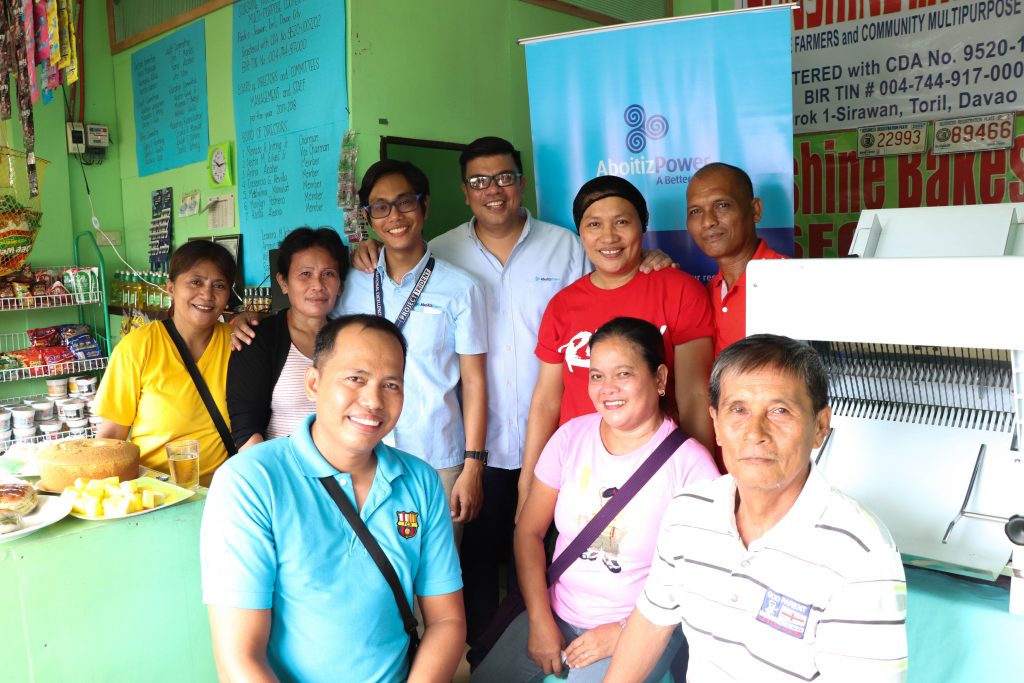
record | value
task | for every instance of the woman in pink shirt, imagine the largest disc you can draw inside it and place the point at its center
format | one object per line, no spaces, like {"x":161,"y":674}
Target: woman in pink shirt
{"x":577,"y":621}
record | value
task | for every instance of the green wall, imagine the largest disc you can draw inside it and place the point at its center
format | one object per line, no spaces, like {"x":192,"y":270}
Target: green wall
{"x":135,"y":191}
{"x":54,"y":242}
{"x":451,"y":76}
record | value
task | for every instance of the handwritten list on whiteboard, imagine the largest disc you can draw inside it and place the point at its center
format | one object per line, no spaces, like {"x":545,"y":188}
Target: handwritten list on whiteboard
{"x":169,"y":87}
{"x":290,"y":116}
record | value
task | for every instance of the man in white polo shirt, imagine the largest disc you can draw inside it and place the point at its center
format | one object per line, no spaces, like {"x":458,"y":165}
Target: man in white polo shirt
{"x":772,"y":573}
{"x":520,"y":262}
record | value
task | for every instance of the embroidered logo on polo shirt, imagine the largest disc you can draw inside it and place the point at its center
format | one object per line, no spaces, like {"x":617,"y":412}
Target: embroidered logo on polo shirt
{"x":430,"y":309}
{"x":783,"y":613}
{"x":408,"y":524}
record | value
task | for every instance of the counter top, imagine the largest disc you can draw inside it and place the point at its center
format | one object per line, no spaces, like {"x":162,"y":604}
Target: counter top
{"x":107,"y":601}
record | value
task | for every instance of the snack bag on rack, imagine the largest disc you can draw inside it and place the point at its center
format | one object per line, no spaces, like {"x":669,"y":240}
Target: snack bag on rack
{"x":81,"y":280}
{"x":57,"y":289}
{"x":52,"y":355}
{"x":69,"y":332}
{"x":9,"y":362}
{"x":30,"y":358}
{"x":84,"y":347}
{"x":23,"y":293}
{"x":44,"y":336}
{"x":43,"y":277}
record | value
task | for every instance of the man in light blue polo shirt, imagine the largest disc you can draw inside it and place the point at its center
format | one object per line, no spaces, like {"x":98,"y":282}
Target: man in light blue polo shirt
{"x":293,"y":594}
{"x":440,"y":310}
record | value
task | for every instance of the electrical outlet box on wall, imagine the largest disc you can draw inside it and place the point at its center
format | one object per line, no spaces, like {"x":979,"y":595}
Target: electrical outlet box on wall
{"x":76,"y":138}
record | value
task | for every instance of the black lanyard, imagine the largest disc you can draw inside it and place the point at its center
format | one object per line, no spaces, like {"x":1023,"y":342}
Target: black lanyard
{"x":414,"y":296}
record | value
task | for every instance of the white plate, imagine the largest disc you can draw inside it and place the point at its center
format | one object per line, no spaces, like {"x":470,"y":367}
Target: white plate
{"x":49,"y":510}
{"x":175,"y":493}
{"x":20,"y":460}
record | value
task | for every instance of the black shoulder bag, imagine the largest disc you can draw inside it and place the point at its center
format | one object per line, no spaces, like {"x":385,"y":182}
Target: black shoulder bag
{"x":204,"y":391}
{"x":348,"y":510}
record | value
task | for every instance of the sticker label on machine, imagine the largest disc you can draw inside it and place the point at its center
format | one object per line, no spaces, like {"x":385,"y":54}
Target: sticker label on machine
{"x":892,"y":139}
{"x":994,"y":131}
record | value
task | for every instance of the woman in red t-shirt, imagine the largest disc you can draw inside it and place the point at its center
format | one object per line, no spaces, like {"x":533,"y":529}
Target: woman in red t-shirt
{"x":611,"y":216}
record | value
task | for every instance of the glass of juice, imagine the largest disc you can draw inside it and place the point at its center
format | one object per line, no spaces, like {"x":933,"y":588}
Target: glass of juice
{"x":183,"y":461}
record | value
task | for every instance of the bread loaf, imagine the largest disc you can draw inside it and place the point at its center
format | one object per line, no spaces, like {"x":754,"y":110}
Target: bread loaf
{"x":63,"y":462}
{"x":17,"y":496}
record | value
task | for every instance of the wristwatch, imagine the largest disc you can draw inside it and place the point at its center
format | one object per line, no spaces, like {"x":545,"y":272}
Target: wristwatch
{"x":477,"y":455}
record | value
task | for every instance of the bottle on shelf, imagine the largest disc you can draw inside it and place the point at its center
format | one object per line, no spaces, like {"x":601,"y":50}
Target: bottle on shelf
{"x":133,"y":290}
{"x":115,"y":288}
{"x":166,"y":294}
{"x":125,"y":287}
{"x":140,"y":290}
{"x":152,"y":293}
{"x":143,"y":291}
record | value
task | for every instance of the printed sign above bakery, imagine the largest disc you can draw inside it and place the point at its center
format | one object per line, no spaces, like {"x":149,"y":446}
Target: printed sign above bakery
{"x":857,"y":64}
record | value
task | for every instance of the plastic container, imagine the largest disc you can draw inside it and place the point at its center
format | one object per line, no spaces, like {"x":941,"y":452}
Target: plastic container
{"x":24,"y":433}
{"x":79,"y":422}
{"x":44,"y":410}
{"x":73,"y":384}
{"x":73,"y":410}
{"x":86,"y":385}
{"x":24,"y":417}
{"x":95,"y":420}
{"x":50,"y":428}
{"x":6,"y":435}
{"x":57,"y":388}
{"x":5,"y":419}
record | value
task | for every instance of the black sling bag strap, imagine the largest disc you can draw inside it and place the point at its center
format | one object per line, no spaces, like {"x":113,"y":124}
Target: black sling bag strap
{"x":513,"y":604}
{"x":204,"y":391}
{"x":348,"y":510}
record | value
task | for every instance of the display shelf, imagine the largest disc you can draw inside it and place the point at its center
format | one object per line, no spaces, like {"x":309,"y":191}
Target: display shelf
{"x":70,"y":367}
{"x":19,"y":340}
{"x":92,"y":311}
{"x":88,"y":433}
{"x":30,"y":303}
{"x":15,"y":401}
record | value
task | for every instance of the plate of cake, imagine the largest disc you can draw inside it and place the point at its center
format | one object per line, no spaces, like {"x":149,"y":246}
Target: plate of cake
{"x":23,"y":512}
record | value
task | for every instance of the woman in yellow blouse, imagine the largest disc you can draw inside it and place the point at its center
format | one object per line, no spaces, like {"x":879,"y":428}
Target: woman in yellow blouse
{"x":147,"y":395}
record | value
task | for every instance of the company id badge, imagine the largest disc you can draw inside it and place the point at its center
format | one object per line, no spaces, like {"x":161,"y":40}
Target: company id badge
{"x":389,"y":439}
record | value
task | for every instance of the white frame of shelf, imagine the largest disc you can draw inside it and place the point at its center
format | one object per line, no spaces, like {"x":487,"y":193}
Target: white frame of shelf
{"x":50,"y":301}
{"x":11,"y":341}
{"x":89,"y":433}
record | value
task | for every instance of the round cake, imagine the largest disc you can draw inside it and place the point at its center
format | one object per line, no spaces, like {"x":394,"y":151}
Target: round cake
{"x":63,"y":462}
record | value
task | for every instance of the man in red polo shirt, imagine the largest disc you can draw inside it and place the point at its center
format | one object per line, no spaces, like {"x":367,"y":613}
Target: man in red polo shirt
{"x":721,"y":214}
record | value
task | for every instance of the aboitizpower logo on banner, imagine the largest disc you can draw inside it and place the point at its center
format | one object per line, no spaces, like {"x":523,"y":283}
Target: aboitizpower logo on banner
{"x":656,"y":102}
{"x":641,"y":127}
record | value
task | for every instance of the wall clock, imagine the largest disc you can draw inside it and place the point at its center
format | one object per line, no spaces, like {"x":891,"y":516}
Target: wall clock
{"x":219,"y":166}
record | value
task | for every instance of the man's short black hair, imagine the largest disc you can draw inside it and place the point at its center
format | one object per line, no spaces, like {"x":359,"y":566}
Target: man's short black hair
{"x":329,"y":334}
{"x":782,"y":354}
{"x":739,"y":176}
{"x":489,"y":146}
{"x":385,"y":167}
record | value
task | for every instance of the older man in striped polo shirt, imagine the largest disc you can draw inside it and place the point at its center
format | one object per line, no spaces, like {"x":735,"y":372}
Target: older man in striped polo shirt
{"x":773,"y":574}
